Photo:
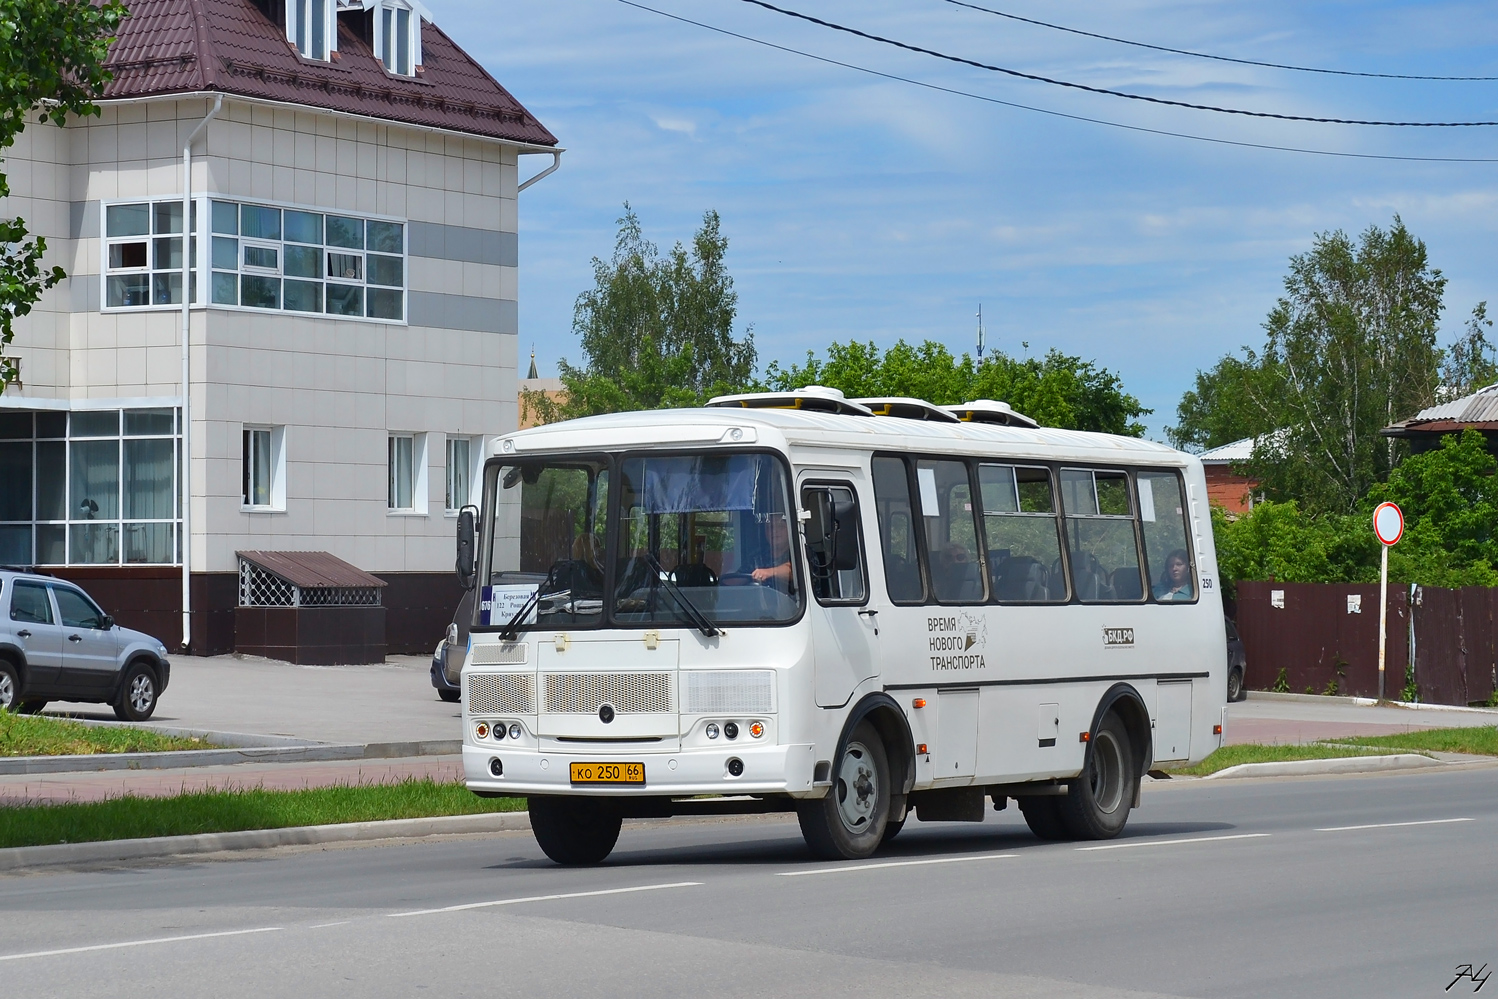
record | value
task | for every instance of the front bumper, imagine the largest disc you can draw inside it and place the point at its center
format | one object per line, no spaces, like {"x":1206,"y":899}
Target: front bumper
{"x":439,"y":676}
{"x":767,"y":770}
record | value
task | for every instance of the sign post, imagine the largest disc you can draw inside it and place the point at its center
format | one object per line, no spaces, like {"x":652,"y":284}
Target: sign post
{"x":1388,"y":525}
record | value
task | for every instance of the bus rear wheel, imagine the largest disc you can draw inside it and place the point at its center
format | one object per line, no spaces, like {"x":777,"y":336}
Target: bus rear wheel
{"x":1043,"y":816}
{"x":849,"y":822}
{"x":1097,"y":803}
{"x":575,"y":831}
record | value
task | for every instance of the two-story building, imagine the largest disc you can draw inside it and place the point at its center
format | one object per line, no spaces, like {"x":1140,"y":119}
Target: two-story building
{"x":352,"y":182}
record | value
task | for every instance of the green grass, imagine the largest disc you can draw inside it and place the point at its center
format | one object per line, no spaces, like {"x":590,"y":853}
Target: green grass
{"x":248,"y":808}
{"x":35,"y":735}
{"x":1481,"y":741}
{"x":1231,"y":756}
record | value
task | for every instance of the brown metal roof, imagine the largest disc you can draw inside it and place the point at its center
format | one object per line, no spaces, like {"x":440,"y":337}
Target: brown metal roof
{"x":311,"y":570}
{"x":233,"y":47}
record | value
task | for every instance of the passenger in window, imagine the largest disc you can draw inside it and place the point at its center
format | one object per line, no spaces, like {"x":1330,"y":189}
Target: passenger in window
{"x":1176,"y":583}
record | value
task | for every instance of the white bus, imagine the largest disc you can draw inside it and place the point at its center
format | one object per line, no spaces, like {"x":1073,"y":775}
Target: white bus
{"x":849,"y":609}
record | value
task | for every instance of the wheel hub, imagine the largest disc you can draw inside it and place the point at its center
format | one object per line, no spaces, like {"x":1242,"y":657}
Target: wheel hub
{"x":141,"y":693}
{"x":857,"y":788}
{"x":7,"y":691}
{"x":1105,"y":773}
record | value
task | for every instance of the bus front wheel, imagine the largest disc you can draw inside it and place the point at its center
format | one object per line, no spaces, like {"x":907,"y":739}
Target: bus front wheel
{"x":849,"y":822}
{"x":1097,"y":803}
{"x":575,"y":831}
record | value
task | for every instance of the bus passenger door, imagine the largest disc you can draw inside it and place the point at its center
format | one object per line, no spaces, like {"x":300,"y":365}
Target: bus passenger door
{"x":845,"y":628}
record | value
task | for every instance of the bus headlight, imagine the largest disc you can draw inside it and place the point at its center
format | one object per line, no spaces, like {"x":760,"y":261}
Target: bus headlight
{"x":712,"y":730}
{"x":515,"y":731}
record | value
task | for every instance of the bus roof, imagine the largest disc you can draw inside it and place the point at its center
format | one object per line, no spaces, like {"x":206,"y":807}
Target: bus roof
{"x":792,"y":428}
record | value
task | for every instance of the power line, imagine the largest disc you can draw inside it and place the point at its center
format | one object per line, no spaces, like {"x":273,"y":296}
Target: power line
{"x":1218,"y":58}
{"x":1103,"y":90}
{"x":1056,"y":114}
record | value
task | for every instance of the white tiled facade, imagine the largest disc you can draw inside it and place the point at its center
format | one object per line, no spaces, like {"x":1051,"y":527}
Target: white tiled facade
{"x":339,"y":386}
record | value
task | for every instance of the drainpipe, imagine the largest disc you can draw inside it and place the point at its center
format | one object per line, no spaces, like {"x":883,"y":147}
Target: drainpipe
{"x":187,"y":262}
{"x":556,"y":163}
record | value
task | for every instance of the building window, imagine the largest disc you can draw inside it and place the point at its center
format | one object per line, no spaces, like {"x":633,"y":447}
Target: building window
{"x":265,"y":257}
{"x":398,"y":38}
{"x":263,"y":468}
{"x":406,"y":468}
{"x":460,"y":473}
{"x":308,"y":27}
{"x":143,"y":254}
{"x":91,"y":487}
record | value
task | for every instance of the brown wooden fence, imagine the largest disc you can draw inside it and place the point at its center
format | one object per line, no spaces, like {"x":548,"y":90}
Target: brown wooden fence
{"x":1323,"y":639}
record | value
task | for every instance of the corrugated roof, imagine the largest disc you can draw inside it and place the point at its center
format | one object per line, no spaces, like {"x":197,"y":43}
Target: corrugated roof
{"x":312,"y":570}
{"x":1236,"y":451}
{"x":233,"y":47}
{"x":1479,"y":407}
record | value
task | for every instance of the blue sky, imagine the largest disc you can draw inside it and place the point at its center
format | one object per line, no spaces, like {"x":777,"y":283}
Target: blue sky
{"x":860,"y":207}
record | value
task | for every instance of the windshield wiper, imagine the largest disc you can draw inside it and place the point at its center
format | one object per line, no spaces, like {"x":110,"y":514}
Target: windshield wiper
{"x":511,"y":630}
{"x":697,"y":619}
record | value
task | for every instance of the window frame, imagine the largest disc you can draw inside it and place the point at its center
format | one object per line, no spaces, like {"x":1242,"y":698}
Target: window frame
{"x":192,"y":244}
{"x":474,"y":471}
{"x":418,"y":484}
{"x":863,"y":557}
{"x":1056,"y":518}
{"x":1132,"y":517}
{"x":1190,"y":533}
{"x":297,"y":32}
{"x":277,"y":486}
{"x":914,"y":501}
{"x":910,"y":459}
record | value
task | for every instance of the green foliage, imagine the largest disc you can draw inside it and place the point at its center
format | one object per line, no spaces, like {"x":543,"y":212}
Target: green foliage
{"x":1479,"y":740}
{"x":656,"y":332}
{"x":241,"y":808}
{"x":1248,"y":752}
{"x":1350,"y":348}
{"x":36,"y":735}
{"x":1057,"y":391}
{"x":1469,"y":364}
{"x":1449,"y":496}
{"x":51,"y":64}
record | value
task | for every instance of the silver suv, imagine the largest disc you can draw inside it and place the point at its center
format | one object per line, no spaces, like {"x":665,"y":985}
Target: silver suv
{"x":57,"y":645}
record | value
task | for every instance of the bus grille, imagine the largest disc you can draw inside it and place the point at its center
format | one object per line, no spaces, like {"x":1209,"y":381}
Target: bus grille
{"x":503,"y":654}
{"x":629,"y":693}
{"x":503,"y":693}
{"x":729,"y":691}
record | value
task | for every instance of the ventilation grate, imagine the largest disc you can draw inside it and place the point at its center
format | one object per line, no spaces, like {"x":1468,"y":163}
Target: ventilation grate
{"x":729,"y":691}
{"x":502,"y":693}
{"x":629,"y":693}
{"x":503,"y":654}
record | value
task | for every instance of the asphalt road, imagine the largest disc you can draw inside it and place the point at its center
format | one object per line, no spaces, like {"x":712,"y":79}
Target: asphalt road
{"x":1230,"y":888}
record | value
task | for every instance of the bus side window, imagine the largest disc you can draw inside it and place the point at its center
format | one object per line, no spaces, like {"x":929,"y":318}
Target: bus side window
{"x":902,"y":567}
{"x":1100,"y":535}
{"x":1162,"y":511}
{"x":839,"y":586}
{"x":946,"y":496}
{"x":1023,"y":536}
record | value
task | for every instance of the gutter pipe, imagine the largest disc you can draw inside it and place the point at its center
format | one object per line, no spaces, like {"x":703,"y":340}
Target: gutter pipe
{"x":187,"y":265}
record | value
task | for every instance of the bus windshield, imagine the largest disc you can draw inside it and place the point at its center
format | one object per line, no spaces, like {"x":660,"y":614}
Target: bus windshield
{"x":698,"y":539}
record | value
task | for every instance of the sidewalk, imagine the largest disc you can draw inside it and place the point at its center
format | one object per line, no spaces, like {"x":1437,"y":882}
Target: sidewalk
{"x":1283,"y":721}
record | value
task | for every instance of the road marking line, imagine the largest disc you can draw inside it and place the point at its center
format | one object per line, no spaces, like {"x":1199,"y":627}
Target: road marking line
{"x":321,"y":926}
{"x":1172,"y":842}
{"x":894,"y":863}
{"x":1393,"y":825}
{"x":543,"y":898}
{"x":136,"y":943}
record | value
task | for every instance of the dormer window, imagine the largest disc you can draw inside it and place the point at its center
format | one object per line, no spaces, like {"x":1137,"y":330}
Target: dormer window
{"x":398,"y":36}
{"x":310,"y":27}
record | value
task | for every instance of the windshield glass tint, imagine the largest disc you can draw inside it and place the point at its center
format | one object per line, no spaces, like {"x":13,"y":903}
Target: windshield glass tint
{"x":548,"y":535}
{"x":710,"y":532}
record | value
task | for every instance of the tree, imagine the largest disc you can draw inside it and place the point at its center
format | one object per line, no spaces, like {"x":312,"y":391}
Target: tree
{"x":655,"y":331}
{"x":1350,"y":348}
{"x":52,"y":65}
{"x":1057,"y":391}
{"x":1469,"y":364}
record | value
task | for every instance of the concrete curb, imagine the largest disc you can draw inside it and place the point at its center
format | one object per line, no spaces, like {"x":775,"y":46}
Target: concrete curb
{"x":314,"y":753}
{"x":1363,"y":702}
{"x":1339,"y":765}
{"x":21,"y":857}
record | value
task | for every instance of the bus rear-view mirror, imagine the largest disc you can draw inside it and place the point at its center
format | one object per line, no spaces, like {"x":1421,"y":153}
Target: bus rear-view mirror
{"x":466,"y":548}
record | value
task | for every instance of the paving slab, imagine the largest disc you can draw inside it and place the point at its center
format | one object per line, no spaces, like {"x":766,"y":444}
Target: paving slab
{"x":1283,"y":720}
{"x":385,"y":703}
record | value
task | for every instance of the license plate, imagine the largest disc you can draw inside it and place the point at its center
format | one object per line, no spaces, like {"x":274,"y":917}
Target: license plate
{"x":607,"y":773}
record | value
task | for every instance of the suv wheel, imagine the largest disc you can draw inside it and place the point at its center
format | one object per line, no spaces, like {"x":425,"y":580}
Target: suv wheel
{"x":136,"y":700}
{"x":10,"y":687}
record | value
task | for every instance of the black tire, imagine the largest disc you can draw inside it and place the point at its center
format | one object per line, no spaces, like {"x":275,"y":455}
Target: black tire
{"x":10,"y":687}
{"x":575,"y":831}
{"x":136,"y":700}
{"x":891,"y":830}
{"x":849,"y":822}
{"x":450,"y":696}
{"x":1043,"y":815}
{"x":31,"y":707}
{"x":1235,"y":685}
{"x":1097,"y":803}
